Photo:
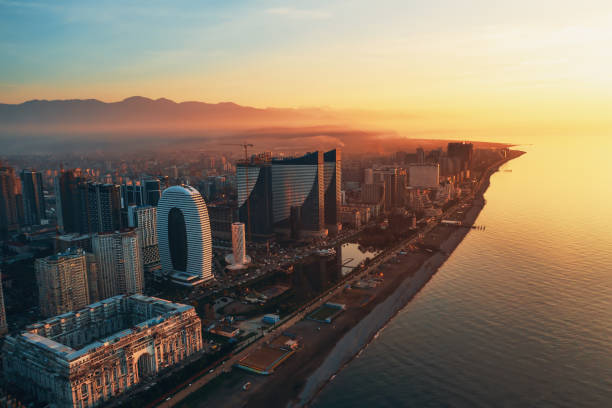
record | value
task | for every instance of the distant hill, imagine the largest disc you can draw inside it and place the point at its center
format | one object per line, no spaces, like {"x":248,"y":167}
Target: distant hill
{"x":145,"y":112}
{"x":138,"y":123}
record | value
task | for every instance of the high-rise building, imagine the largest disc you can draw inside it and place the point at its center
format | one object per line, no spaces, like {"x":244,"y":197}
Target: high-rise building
{"x":420,"y":154}
{"x":311,"y":182}
{"x":238,"y":258}
{"x":3,"y":323}
{"x":395,"y":180}
{"x":185,"y":242}
{"x":299,"y":182}
{"x":119,"y":259}
{"x":33,"y":197}
{"x":147,"y":191}
{"x":152,"y":191}
{"x":425,"y":175}
{"x":388,"y":176}
{"x":238,"y":243}
{"x":131,"y":194}
{"x":257,"y":199}
{"x":463,"y":151}
{"x":373,"y":193}
{"x":8,"y":203}
{"x":62,"y":282}
{"x":85,"y":358}
{"x":67,"y":201}
{"x":333,"y":183}
{"x":103,"y":207}
{"x":368,"y":176}
{"x":144,"y":219}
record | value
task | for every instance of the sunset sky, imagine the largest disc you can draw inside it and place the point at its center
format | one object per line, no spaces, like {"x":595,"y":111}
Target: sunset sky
{"x":446,"y":67}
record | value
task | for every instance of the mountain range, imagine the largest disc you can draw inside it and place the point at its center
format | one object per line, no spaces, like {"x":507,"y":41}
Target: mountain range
{"x":139,"y":123}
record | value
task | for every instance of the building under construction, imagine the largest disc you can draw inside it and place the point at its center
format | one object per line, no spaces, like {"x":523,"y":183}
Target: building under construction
{"x":86,"y":358}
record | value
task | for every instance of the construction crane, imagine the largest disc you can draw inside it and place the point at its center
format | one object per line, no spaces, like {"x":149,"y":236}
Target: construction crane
{"x":245,"y":146}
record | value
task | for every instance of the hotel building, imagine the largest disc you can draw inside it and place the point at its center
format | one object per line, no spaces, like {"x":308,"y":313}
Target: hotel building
{"x":185,"y":242}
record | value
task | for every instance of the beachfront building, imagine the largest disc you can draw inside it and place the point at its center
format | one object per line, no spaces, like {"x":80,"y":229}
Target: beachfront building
{"x":299,"y":182}
{"x":88,"y":357}
{"x":254,"y":189}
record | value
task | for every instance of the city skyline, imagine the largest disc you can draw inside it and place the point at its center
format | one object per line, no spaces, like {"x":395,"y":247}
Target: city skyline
{"x":330,"y":204}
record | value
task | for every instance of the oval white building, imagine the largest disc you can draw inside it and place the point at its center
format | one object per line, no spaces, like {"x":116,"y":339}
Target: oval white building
{"x":183,"y":229}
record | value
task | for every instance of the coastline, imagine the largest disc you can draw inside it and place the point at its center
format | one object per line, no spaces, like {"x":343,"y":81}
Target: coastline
{"x":327,"y":348}
{"x":363,"y":332}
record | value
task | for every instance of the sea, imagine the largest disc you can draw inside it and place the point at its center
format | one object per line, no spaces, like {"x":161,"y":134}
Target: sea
{"x":520,"y":315}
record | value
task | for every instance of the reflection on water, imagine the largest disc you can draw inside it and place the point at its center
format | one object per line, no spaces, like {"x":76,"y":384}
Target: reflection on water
{"x":352,"y":255}
{"x":521,"y":314}
{"x":316,"y":274}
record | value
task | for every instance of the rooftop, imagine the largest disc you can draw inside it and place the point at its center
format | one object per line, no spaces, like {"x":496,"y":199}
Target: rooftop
{"x":135,"y":318}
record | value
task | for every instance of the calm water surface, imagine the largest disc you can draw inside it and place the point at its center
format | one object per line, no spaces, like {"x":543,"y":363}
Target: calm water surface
{"x":521,"y":314}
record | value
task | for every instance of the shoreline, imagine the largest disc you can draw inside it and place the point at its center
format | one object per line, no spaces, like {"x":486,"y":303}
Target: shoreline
{"x":362,"y":334}
{"x":327,"y":348}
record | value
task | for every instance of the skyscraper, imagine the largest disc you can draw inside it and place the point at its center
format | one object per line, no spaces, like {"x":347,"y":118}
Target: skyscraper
{"x":144,"y":219}
{"x":299,"y":182}
{"x":8,"y":203}
{"x":425,"y":175}
{"x":103,"y":207}
{"x":185,"y":242}
{"x":258,"y":197}
{"x":67,"y":201}
{"x":120,"y":266}
{"x":463,"y":151}
{"x":420,"y":154}
{"x":147,"y":191}
{"x":33,"y":197}
{"x":394,"y":180}
{"x":333,"y":180}
{"x":238,"y":243}
{"x":238,"y":258}
{"x":62,"y":282}
{"x":151,"y":191}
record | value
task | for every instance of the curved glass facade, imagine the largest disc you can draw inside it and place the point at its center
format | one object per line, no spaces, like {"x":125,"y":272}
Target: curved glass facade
{"x":310,"y":183}
{"x":259,"y":197}
{"x":187,"y":235}
{"x":333,"y":180}
{"x":299,"y":182}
